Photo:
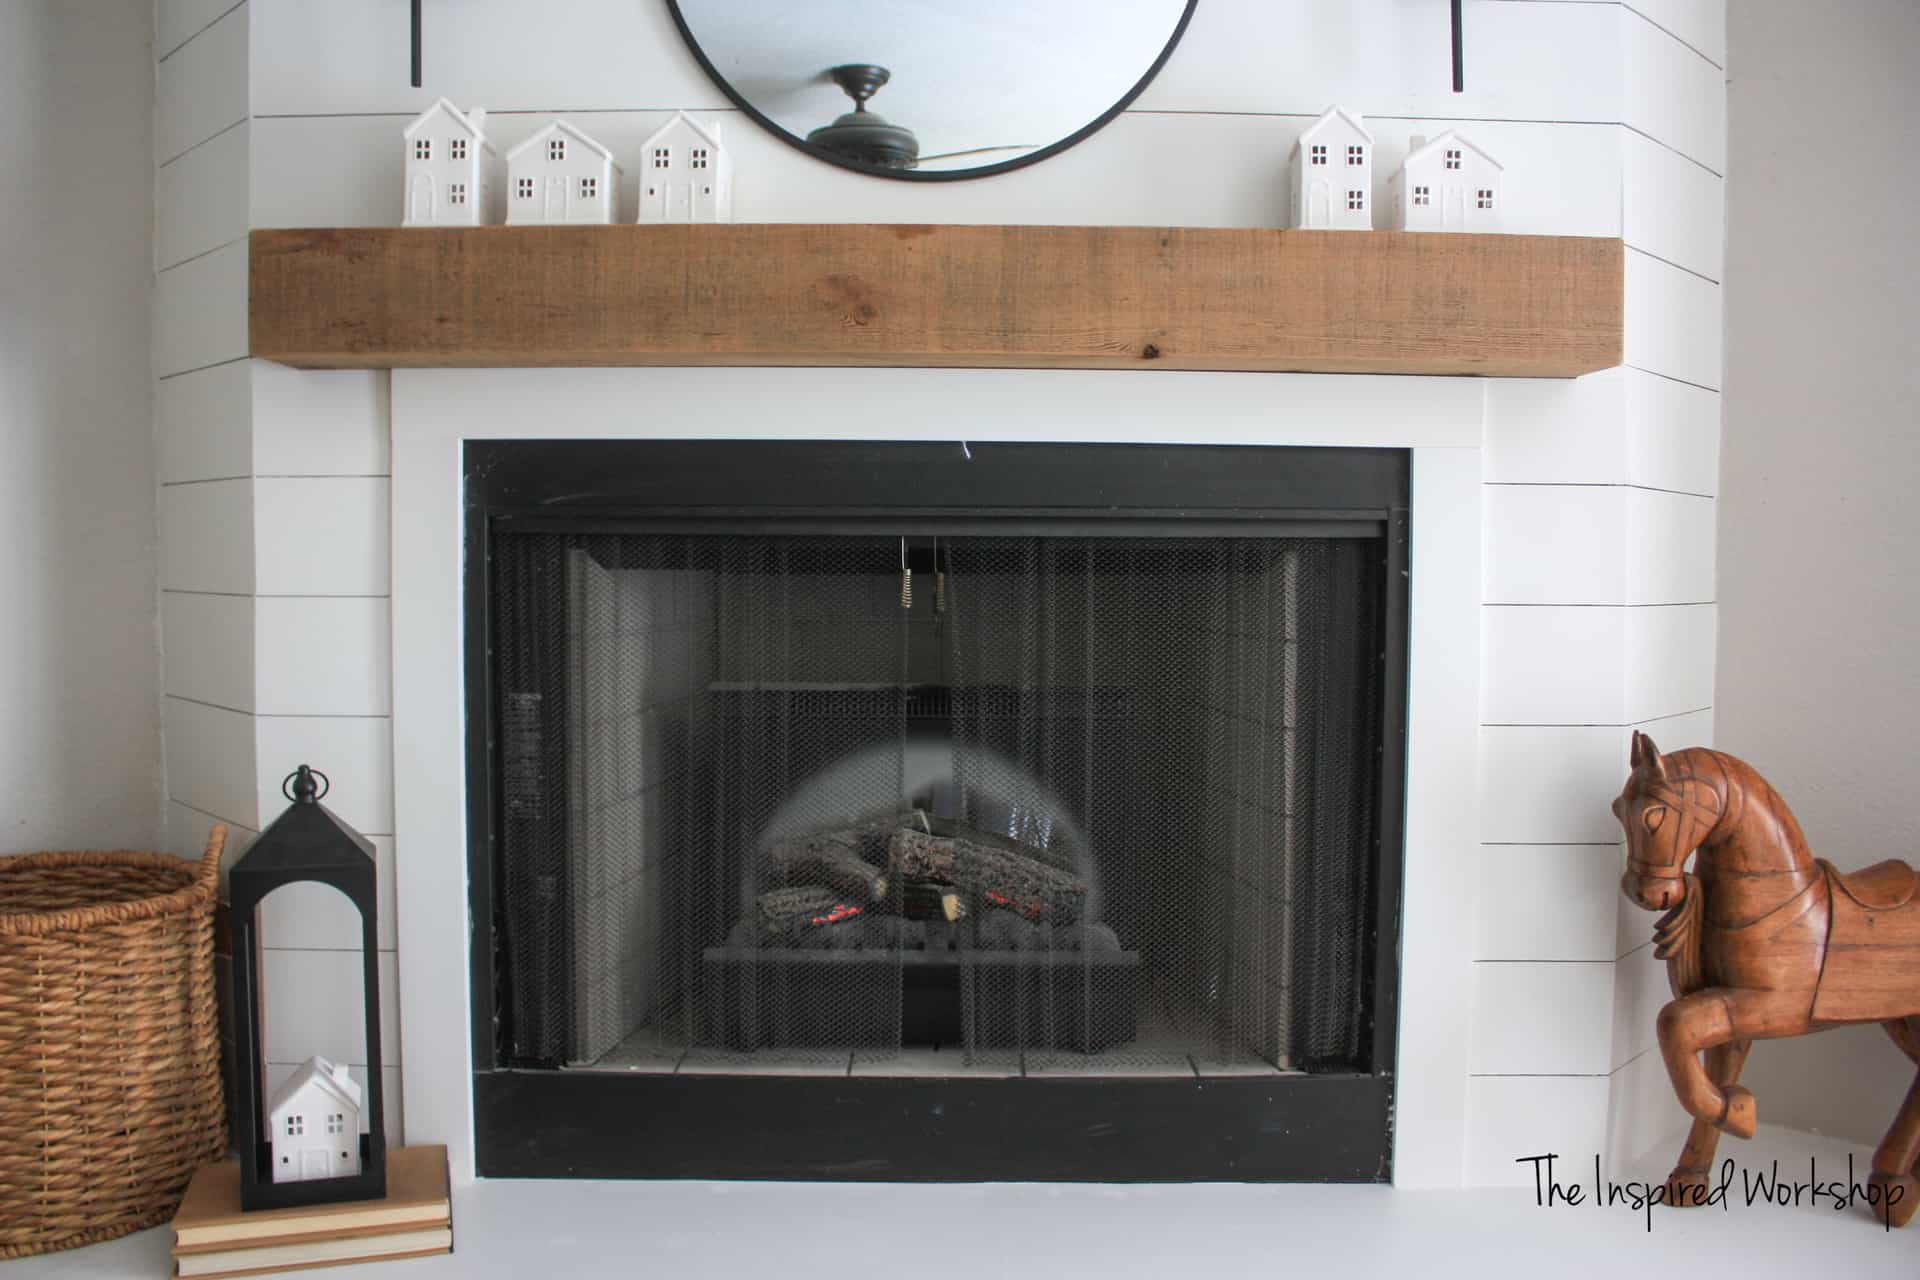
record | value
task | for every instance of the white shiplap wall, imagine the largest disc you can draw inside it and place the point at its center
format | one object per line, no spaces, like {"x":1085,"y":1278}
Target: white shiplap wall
{"x":273,"y":513}
{"x":1598,"y":534}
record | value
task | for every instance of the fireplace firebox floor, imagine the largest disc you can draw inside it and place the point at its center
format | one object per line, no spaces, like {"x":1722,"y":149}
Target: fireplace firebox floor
{"x":1160,"y":1050}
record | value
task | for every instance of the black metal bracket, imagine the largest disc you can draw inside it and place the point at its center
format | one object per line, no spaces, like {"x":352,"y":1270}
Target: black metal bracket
{"x":416,"y":38}
{"x":1459,"y":59}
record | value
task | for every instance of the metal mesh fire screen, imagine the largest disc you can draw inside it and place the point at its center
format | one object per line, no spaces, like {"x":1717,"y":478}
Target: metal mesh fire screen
{"x":1024,"y":803}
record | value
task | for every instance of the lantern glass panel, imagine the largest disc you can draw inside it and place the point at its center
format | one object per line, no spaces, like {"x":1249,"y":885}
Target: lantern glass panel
{"x":310,"y":944}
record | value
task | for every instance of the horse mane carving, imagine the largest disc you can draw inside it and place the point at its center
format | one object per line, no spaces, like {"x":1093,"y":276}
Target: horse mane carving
{"x":1698,"y":781}
{"x":1676,"y":939}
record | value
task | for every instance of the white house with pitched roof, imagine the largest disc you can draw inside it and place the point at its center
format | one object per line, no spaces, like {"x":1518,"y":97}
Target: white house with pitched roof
{"x":1333,"y":173}
{"x":448,"y":164}
{"x":1448,"y":184}
{"x":685,"y":173}
{"x":314,"y":1120}
{"x":560,"y":175}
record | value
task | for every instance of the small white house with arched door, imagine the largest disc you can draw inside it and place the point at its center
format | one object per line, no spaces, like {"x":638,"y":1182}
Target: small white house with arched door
{"x":685,"y":174}
{"x":1333,"y":174}
{"x":315,"y":1122}
{"x":448,"y":160}
{"x":1448,"y":184}
{"x":560,"y":175}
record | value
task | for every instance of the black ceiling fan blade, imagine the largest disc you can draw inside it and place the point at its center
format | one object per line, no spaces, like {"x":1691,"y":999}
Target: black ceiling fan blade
{"x":976,"y":151}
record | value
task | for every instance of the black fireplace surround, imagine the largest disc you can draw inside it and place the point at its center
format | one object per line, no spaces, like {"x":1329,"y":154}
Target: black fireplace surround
{"x":941,"y":812}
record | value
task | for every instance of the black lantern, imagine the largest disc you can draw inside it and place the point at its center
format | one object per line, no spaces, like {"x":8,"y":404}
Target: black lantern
{"x":305,"y":843}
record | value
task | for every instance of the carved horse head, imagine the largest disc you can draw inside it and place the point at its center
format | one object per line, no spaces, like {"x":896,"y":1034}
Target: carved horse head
{"x":1667,"y":812}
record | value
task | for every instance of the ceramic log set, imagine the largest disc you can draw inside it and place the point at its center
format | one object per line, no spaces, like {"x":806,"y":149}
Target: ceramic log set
{"x":1763,"y":940}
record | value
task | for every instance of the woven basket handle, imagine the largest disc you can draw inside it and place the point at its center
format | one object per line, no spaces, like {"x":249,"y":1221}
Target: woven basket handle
{"x":209,"y":872}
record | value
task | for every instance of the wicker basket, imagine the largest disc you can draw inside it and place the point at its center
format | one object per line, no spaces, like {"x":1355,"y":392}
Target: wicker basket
{"x":109,"y":1042}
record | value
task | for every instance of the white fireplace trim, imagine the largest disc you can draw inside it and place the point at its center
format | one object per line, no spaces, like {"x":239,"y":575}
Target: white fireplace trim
{"x":1440,"y":419}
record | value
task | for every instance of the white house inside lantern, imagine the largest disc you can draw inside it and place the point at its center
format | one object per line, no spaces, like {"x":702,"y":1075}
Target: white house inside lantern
{"x":314,"y":1123}
{"x":1333,"y":174}
{"x":1448,"y":184}
{"x":685,"y":173}
{"x":448,"y":158}
{"x":560,"y":175}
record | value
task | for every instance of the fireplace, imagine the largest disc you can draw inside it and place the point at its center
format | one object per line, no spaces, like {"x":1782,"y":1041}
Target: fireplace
{"x":932,"y":810}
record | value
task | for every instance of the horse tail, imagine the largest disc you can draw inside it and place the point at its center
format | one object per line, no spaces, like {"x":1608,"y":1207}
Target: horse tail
{"x":1676,"y":939}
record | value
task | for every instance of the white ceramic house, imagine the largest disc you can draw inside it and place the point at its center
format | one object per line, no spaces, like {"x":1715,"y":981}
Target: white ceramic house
{"x":315,"y":1122}
{"x":685,"y":174}
{"x":448,"y":163}
{"x":1333,"y":174}
{"x":1448,"y":184}
{"x":560,"y":175}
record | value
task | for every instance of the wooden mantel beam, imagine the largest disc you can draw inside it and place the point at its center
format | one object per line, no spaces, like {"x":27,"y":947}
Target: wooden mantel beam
{"x":983,"y":296}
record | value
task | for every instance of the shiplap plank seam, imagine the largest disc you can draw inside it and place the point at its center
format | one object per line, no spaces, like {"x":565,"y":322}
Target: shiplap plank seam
{"x":1669,"y":262}
{"x":1661,"y":142}
{"x":1698,"y":386}
{"x":224,"y":244}
{"x":212,"y":817}
{"x":181,"y":373}
{"x":1676,"y":37}
{"x":204,"y":141}
{"x":1534,"y":484}
{"x":199,"y":31}
{"x":1594,"y":724}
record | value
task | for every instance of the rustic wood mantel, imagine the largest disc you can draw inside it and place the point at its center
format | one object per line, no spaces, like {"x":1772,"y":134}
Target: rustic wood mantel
{"x":981,"y":296}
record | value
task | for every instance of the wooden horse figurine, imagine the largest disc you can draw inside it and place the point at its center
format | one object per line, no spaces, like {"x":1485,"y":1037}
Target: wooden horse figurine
{"x":1763,"y":940}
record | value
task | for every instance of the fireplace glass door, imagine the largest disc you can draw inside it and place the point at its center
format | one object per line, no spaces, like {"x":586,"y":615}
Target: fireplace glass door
{"x":914,"y":798}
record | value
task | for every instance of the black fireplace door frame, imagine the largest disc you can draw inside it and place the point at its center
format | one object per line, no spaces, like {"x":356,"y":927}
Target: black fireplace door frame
{"x":534,"y":1120}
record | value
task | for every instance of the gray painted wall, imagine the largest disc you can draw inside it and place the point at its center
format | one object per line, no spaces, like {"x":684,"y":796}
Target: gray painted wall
{"x":1819,"y":686}
{"x":79,"y":666}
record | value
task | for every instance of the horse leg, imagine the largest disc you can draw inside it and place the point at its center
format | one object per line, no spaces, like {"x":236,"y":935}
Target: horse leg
{"x":1718,"y":1016}
{"x":1691,"y":1178}
{"x":1894,"y":1160}
{"x":1905,"y":1032}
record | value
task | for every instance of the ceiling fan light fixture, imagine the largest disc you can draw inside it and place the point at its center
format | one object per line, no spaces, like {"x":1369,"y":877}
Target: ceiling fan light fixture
{"x":863,"y":136}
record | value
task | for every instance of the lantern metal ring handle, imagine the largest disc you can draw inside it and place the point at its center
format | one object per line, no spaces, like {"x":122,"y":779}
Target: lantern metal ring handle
{"x":298,"y":786}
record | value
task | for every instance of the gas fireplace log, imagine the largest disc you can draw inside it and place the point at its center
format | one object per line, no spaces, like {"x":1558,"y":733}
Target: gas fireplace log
{"x":1000,"y":877}
{"x":804,"y":907}
{"x":834,"y":858}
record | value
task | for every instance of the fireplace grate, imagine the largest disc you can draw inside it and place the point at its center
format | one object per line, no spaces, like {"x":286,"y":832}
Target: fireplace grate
{"x":1115,"y":798}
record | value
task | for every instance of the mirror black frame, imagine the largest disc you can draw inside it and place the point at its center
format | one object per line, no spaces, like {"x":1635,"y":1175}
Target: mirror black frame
{"x":923,"y":175}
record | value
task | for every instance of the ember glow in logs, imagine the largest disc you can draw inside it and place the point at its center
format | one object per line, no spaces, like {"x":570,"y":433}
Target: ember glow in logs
{"x":808,"y":906}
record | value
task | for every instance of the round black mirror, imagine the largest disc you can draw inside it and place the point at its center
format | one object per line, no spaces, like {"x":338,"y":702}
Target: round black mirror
{"x":932,"y":90}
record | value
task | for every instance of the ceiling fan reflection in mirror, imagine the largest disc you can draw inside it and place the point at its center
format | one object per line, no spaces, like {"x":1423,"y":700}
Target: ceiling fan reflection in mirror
{"x":864,"y":136}
{"x":868,"y":138}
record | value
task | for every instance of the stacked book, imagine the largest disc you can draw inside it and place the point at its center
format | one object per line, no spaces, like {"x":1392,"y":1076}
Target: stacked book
{"x":214,"y":1238}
